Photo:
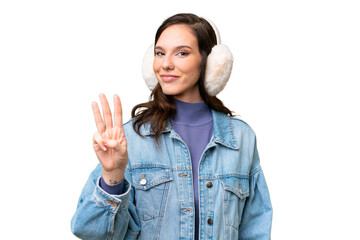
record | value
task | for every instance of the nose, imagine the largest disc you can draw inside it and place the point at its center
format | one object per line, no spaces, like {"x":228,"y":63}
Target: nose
{"x":167,"y":63}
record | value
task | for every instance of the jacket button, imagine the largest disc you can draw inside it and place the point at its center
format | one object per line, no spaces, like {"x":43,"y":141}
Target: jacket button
{"x":143,"y":180}
{"x":210,"y":221}
{"x":209,"y":184}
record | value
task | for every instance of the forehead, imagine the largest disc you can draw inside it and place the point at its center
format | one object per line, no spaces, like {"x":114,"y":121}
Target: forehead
{"x":176,"y":35}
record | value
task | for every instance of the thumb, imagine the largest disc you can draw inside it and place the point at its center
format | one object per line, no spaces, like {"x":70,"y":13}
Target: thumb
{"x":110,"y":143}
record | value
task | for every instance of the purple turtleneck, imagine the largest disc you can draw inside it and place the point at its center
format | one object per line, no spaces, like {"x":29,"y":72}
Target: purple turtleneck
{"x":194,"y":123}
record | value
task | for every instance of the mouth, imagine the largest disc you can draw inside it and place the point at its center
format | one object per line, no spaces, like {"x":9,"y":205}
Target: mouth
{"x":168,"y":77}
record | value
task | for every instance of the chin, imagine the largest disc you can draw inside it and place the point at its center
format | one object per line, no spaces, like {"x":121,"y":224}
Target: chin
{"x":169,"y":91}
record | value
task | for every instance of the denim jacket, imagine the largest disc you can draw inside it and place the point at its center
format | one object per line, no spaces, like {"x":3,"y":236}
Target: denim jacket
{"x":158,"y":202}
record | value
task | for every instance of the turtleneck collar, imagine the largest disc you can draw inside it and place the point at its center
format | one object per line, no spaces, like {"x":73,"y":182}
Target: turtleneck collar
{"x":192,"y":114}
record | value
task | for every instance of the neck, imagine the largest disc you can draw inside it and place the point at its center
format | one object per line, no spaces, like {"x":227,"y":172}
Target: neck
{"x":190,"y":96}
{"x":192,"y":113}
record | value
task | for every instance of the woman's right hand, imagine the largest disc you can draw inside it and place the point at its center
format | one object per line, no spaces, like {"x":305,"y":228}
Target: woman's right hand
{"x":109,"y":141}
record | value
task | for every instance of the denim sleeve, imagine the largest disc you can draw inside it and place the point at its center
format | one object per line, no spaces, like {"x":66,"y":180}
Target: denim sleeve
{"x":100,"y":215}
{"x":257,"y":213}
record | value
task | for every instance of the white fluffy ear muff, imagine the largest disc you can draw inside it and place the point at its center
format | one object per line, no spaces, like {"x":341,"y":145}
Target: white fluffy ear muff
{"x":147,"y":68}
{"x":218,"y":66}
{"x":218,"y":69}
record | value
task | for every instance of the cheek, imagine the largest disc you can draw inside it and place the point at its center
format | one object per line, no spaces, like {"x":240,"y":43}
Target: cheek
{"x":156,"y":65}
{"x":192,"y":68}
{"x":195,"y":71}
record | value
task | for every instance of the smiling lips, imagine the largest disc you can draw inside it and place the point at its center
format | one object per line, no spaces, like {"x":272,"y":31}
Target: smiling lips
{"x":168,"y":77}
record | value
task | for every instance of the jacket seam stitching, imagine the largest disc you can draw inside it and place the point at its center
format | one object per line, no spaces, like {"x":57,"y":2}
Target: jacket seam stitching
{"x":255,"y":171}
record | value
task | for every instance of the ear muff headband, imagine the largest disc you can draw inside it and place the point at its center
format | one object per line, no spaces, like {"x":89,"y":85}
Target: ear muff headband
{"x":216,"y":30}
{"x":218,"y":66}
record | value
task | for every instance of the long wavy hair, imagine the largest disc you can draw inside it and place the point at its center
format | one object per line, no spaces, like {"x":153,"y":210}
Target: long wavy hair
{"x":161,"y":107}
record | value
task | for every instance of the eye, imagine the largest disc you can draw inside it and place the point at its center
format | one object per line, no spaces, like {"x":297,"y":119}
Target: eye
{"x":159,"y":53}
{"x":182,"y":53}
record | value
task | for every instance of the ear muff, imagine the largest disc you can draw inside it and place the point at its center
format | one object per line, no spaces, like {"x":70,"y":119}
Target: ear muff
{"x":147,"y":68}
{"x":218,"y":66}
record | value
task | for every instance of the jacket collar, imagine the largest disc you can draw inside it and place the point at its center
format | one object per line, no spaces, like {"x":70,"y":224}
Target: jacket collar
{"x":223,"y":132}
{"x":145,"y":130}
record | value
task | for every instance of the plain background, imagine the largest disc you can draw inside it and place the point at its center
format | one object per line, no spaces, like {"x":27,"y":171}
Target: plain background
{"x":295,"y":81}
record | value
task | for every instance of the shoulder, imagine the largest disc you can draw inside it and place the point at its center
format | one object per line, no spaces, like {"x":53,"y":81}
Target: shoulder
{"x":134,"y":139}
{"x":129,"y":130}
{"x":128,"y":126}
{"x":240,"y":127}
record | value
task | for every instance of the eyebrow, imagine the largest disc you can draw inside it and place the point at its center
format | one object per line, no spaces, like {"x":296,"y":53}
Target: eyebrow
{"x":176,"y":48}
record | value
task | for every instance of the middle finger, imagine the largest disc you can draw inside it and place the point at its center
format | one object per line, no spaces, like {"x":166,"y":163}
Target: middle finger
{"x":106,"y":111}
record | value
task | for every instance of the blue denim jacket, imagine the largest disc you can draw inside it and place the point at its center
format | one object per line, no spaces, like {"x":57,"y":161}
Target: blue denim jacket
{"x":158,"y":202}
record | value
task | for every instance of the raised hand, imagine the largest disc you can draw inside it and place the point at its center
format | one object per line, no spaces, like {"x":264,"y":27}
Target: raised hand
{"x":109,"y":141}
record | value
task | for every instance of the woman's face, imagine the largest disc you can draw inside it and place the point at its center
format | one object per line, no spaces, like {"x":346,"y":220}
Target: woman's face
{"x":177,"y":63}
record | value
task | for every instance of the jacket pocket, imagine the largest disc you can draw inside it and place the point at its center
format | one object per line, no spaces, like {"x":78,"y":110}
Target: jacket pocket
{"x":235,"y":191}
{"x":151,"y":190}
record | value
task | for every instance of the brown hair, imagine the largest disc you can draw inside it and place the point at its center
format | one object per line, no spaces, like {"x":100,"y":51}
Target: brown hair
{"x":161,"y":107}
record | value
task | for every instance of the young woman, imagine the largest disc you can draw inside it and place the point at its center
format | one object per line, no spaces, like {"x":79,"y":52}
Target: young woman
{"x":183,"y":167}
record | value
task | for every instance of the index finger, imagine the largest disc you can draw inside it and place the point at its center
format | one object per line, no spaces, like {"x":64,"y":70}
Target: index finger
{"x":98,"y":119}
{"x":118,"y":121}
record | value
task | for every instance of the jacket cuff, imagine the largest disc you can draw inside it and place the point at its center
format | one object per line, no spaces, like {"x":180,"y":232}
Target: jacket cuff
{"x":113,"y":203}
{"x":116,"y":189}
